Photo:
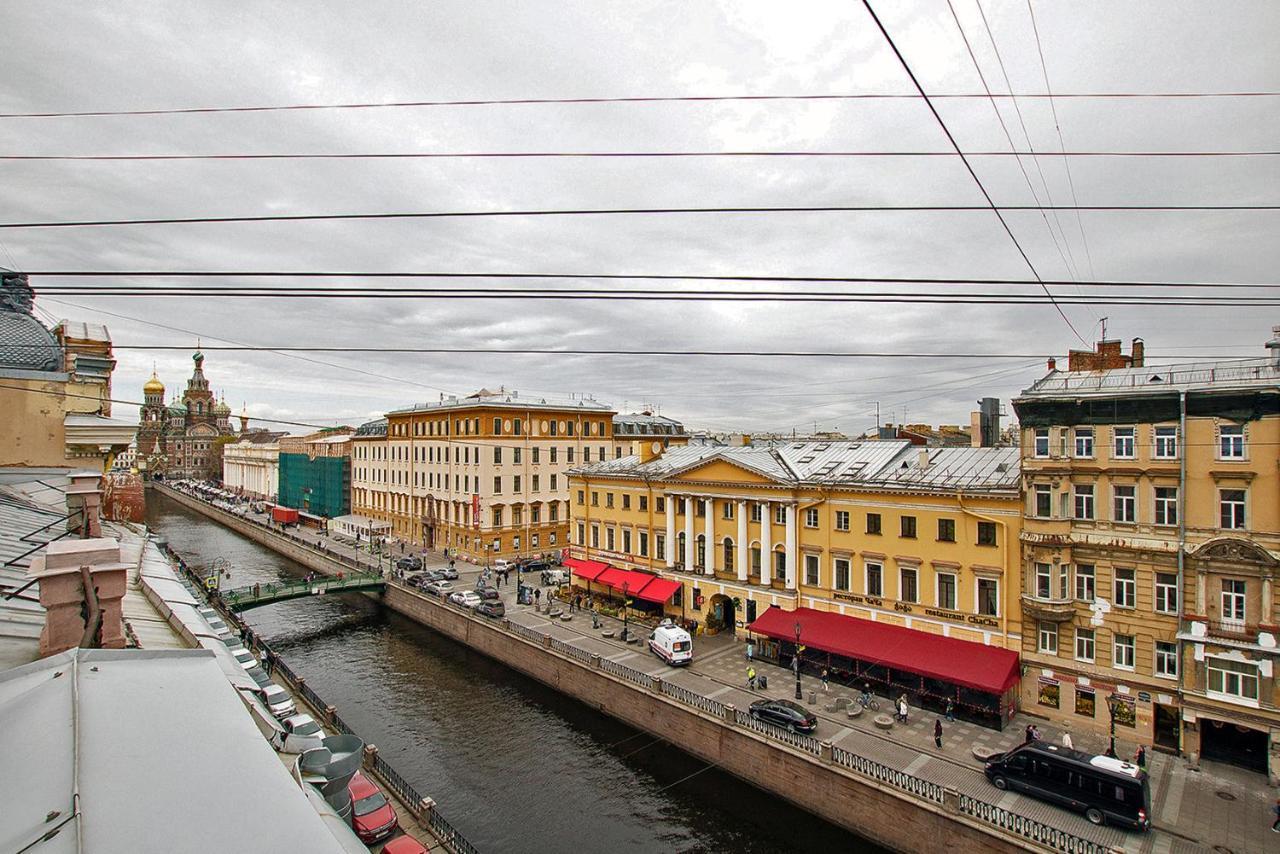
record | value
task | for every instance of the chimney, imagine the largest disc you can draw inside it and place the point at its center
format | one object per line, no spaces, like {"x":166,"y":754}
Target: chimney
{"x":1274,"y":346}
{"x":1053,"y":364}
{"x":744,"y":440}
{"x":922,"y":459}
{"x":78,"y":579}
{"x":1138,"y":353}
{"x":84,"y":503}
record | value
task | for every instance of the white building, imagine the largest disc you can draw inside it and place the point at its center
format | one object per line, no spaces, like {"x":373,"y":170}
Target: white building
{"x":252,"y":468}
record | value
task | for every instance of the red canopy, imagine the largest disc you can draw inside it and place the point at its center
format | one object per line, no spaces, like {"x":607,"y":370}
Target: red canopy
{"x":614,"y":577}
{"x":588,"y":569}
{"x":973,"y":665}
{"x":658,"y":590}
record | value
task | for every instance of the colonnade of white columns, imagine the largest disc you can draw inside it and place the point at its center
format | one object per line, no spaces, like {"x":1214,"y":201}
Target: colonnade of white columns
{"x":742,"y":554}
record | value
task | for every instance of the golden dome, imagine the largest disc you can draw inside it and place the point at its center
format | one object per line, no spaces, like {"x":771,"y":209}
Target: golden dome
{"x":153,"y":385}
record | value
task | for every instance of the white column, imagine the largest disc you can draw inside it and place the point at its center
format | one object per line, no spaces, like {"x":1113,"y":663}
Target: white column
{"x":670,"y":504}
{"x":791,"y":547}
{"x":766,"y":543}
{"x":689,"y":551}
{"x":741,"y":553}
{"x":710,"y":534}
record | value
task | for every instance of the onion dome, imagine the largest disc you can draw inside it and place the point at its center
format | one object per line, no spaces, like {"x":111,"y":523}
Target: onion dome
{"x":177,"y":408}
{"x":221,"y":409}
{"x":153,"y":385}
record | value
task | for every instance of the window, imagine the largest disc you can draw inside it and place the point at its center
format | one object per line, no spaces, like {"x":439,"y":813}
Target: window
{"x":1084,"y":501}
{"x":1233,"y":592}
{"x":811,"y":570}
{"x":644,"y":543}
{"x":517,"y":427}
{"x":581,"y":496}
{"x":515,"y":483}
{"x":536,"y":484}
{"x":728,"y":510}
{"x":626,"y":541}
{"x":842,"y":520}
{"x":660,"y":546}
{"x":595,"y":498}
{"x":1166,"y":505}
{"x":568,"y":455}
{"x":1086,"y":702}
{"x":1086,"y":590}
{"x":536,"y":453}
{"x":497,"y":517}
{"x":909,"y":527}
{"x":1084,"y":644}
{"x":1231,"y":505}
{"x":608,"y":499}
{"x":1122,"y":652}
{"x":1084,"y":442}
{"x":1126,"y":588}
{"x":811,"y":517}
{"x":986,"y":533}
{"x":1125,"y":503}
{"x":1044,"y":581}
{"x":515,"y":455}
{"x":554,"y":505}
{"x":626,"y":501}
{"x":497,"y":485}
{"x":907,"y":591}
{"x":873,"y":523}
{"x":660,"y":505}
{"x":1167,"y":659}
{"x":875,"y":579}
{"x":755,"y":512}
{"x":553,"y":483}
{"x":1231,"y":442}
{"x":946,"y":591}
{"x":841,"y":566}
{"x":780,"y":514}
{"x":1166,"y":593}
{"x":1048,"y":638}
{"x":1122,"y":443}
{"x":644,"y":502}
{"x":553,"y":448}
{"x":497,"y":455}
{"x":989,"y":597}
{"x":754,"y":565}
{"x":1166,"y":443}
{"x":586,"y":454}
{"x":1043,"y":501}
{"x":1041,"y":446}
{"x":1232,"y":678}
{"x":728,"y":555}
{"x":947,"y":530}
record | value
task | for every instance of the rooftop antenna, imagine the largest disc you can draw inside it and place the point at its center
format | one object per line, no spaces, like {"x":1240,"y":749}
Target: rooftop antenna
{"x":1104,"y":327}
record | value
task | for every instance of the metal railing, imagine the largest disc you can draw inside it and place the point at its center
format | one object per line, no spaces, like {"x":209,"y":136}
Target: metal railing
{"x":644,"y":680}
{"x":571,"y":651}
{"x":448,"y":835}
{"x":899,"y":779}
{"x":807,"y":743}
{"x":1029,"y":828}
{"x":261,"y":594}
{"x":698,"y":701}
{"x":526,"y":633}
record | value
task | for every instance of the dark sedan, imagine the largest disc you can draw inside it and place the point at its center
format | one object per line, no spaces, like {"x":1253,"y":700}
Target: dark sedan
{"x":492,"y":608}
{"x":785,"y":714}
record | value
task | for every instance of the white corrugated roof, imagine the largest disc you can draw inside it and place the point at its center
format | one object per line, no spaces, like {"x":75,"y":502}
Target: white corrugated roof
{"x":1154,"y":379}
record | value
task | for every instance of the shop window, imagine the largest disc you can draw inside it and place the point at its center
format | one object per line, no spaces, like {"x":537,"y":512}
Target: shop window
{"x":1086,"y":702}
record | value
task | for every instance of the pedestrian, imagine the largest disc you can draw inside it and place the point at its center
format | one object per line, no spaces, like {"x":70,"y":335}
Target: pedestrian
{"x":826,"y":686}
{"x":751,"y":648}
{"x":937,"y":733}
{"x":1035,"y":733}
{"x":1066,"y":740}
{"x":751,"y":678}
{"x":951,"y":711}
{"x":902,"y":708}
{"x":537,"y":595}
{"x":1030,"y":734}
{"x":1275,"y":825}
{"x":1140,"y":757}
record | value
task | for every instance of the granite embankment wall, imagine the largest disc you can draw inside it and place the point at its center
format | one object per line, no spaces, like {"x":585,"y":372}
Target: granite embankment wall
{"x":892,"y":815}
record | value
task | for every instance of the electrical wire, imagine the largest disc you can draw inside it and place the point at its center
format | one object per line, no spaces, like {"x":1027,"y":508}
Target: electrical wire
{"x":627,"y":211}
{"x":653,"y":99}
{"x":968,"y":166}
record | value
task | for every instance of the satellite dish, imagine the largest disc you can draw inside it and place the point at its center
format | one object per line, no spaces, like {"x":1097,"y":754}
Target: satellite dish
{"x":656,"y":447}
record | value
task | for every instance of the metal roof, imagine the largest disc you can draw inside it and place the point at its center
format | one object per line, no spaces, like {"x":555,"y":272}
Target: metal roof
{"x":81,"y":331}
{"x":26,"y":344}
{"x":506,"y":400}
{"x":1158,"y":379}
{"x":25,"y":509}
{"x":91,"y":738}
{"x":377,"y":427}
{"x":954,"y":468}
{"x":644,"y":424}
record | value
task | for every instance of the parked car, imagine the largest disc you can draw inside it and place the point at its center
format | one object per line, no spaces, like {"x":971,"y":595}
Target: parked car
{"x":555,"y":576}
{"x":297,"y":734}
{"x":501,"y":564}
{"x":246,"y":659}
{"x":438,"y":588}
{"x":372,"y":817}
{"x":409,"y":564}
{"x":260,"y":676}
{"x":278,"y":701}
{"x":488,"y":594}
{"x":492,"y":608}
{"x":786,"y":714}
{"x":448,"y":573}
{"x":404,"y":845}
{"x":465,"y":598}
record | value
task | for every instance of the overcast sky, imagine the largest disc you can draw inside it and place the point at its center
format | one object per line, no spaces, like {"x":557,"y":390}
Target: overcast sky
{"x":73,"y":56}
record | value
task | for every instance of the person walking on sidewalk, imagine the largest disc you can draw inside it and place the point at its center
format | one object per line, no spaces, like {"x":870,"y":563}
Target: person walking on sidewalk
{"x":951,"y":711}
{"x":902,"y":708}
{"x":937,"y":733}
{"x":1140,"y":757}
{"x":751,"y":648}
{"x":751,"y":678}
{"x":1066,"y":740}
{"x":825,"y":677}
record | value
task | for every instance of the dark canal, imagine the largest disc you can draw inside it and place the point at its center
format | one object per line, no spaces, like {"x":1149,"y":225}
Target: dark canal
{"x":513,"y":765}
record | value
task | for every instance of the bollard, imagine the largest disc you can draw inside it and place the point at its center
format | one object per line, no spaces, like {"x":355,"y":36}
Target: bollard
{"x":329,"y":714}
{"x":824,"y":752}
{"x":813,"y":697}
{"x":370,"y":755}
{"x":424,"y":808}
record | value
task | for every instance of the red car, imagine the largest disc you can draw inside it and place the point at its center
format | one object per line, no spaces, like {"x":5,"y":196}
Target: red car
{"x":371,"y":816}
{"x":404,"y":845}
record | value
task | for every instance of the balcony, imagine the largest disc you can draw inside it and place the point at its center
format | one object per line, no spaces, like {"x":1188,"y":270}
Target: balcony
{"x":1236,"y":630}
{"x":1048,"y":610}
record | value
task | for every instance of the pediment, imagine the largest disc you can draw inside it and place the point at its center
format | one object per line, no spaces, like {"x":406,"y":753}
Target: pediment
{"x":1234,"y":550}
{"x":719,"y":470}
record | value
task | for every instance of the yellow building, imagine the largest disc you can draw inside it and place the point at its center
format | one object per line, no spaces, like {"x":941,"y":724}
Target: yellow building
{"x":924,"y":539}
{"x":1151,"y":541}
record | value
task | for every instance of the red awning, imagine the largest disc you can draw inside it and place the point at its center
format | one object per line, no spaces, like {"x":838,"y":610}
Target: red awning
{"x":634,"y":582}
{"x":659,"y":590}
{"x":613,"y":577}
{"x":588,"y":569}
{"x":973,"y":665}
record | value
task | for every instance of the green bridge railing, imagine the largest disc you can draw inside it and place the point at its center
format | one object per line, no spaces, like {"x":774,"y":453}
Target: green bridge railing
{"x":253,"y":596}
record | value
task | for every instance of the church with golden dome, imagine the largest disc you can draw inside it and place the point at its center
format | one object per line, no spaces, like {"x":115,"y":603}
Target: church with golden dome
{"x":178,"y":440}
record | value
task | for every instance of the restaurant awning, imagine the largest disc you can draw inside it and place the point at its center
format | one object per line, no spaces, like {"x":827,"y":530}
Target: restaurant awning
{"x":658,"y":590}
{"x":972,"y":665}
{"x":588,"y":569}
{"x":615,"y":577}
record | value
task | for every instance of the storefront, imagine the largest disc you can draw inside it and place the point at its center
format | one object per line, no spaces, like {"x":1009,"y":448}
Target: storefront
{"x":980,"y":681}
{"x":643,"y":591}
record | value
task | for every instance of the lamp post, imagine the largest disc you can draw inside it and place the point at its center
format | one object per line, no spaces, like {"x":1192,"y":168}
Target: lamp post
{"x":625,"y":588}
{"x":795,"y":663}
{"x":1112,"y":705}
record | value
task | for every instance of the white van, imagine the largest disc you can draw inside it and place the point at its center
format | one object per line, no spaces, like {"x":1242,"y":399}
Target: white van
{"x":672,"y":644}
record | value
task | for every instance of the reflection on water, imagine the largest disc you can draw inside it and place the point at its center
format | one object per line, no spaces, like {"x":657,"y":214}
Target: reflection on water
{"x":514,"y":765}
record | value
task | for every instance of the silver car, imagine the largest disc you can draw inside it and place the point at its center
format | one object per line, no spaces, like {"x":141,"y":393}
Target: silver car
{"x":278,"y":701}
{"x":439,"y":588}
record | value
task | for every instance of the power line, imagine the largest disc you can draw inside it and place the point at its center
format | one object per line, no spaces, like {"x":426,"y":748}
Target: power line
{"x":653,"y":99}
{"x":453,"y":155}
{"x":629,"y":211}
{"x":692,"y":277}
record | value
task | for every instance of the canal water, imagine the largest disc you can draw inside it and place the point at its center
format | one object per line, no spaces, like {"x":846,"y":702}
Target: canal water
{"x":515,"y":766}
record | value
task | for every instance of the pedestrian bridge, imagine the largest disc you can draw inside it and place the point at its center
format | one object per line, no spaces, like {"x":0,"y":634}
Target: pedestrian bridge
{"x":257,"y":595}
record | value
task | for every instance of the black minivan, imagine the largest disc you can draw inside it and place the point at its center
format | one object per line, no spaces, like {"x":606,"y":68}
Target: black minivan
{"x":1106,"y":790}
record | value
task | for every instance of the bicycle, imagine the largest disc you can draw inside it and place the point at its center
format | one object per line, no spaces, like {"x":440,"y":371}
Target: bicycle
{"x":869,"y":702}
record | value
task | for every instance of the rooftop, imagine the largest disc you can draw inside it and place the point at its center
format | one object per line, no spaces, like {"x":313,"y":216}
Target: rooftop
{"x":377,"y":427}
{"x":505,"y":400}
{"x":645,"y":424}
{"x":1158,"y":379}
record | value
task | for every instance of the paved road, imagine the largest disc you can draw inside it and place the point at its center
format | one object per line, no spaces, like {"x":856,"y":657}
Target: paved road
{"x":1220,"y":806}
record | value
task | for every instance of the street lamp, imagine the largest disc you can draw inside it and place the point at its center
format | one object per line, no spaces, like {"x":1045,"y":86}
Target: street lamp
{"x":795,"y":663}
{"x":1112,"y":704}
{"x":625,"y":588}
